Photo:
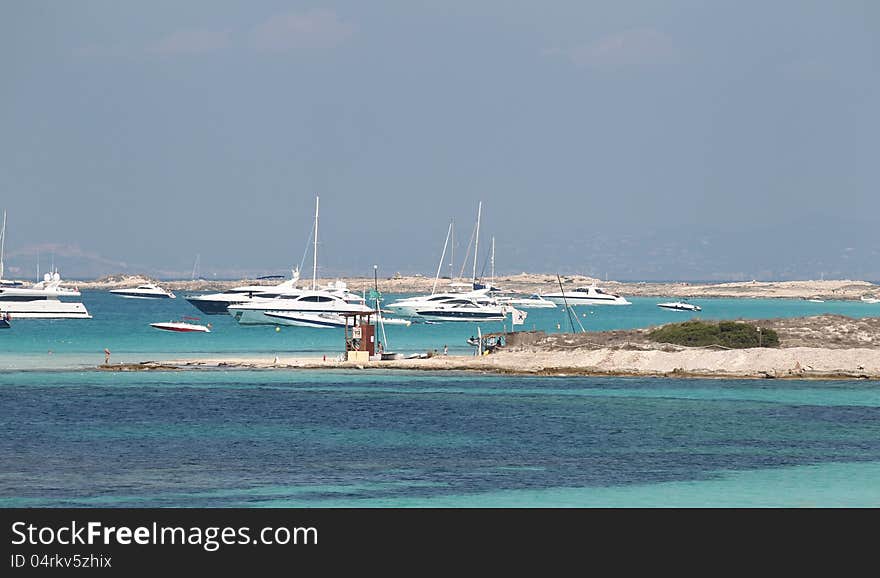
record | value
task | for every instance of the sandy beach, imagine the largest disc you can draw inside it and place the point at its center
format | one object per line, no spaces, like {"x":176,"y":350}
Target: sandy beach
{"x":821,"y":347}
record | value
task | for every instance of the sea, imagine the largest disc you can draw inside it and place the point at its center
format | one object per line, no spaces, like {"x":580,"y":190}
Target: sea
{"x":219,"y":437}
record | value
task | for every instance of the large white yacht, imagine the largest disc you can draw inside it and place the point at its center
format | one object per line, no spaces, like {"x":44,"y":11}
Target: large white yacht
{"x":412,"y":306}
{"x":42,"y":301}
{"x":145,"y":291}
{"x":590,"y":295}
{"x":463,"y":309}
{"x":307,"y":308}
{"x":216,"y":303}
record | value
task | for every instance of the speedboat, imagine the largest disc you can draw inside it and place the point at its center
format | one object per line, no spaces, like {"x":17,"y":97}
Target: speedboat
{"x":463,"y":310}
{"x":183,"y":326}
{"x":42,"y":301}
{"x":306,"y":308}
{"x":680,"y":306}
{"x":869,"y":299}
{"x":590,"y":295}
{"x":145,"y":291}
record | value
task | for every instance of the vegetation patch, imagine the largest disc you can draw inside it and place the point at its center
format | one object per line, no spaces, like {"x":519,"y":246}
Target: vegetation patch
{"x":732,"y":334}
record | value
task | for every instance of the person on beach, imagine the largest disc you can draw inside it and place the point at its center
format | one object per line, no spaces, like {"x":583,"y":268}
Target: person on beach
{"x":445,"y":349}
{"x":106,"y":356}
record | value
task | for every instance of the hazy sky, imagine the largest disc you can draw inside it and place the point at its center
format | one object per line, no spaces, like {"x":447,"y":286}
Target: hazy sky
{"x":639,"y":140}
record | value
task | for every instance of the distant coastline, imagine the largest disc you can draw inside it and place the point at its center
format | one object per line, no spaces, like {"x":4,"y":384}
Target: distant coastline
{"x":844,"y":289}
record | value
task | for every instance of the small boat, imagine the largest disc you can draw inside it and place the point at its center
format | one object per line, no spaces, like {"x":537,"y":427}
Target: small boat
{"x":816,"y":300}
{"x":679,"y":306}
{"x":869,"y":299}
{"x":183,"y":326}
{"x":145,"y":291}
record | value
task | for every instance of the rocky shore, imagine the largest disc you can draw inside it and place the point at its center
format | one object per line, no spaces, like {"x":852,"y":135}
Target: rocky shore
{"x":543,"y":283}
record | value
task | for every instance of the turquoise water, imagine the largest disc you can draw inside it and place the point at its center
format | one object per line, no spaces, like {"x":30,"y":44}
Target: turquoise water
{"x":70,"y":436}
{"x":122,"y":325}
{"x":338,"y":438}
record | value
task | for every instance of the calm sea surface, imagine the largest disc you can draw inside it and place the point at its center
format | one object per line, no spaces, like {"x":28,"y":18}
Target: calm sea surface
{"x":70,"y":436}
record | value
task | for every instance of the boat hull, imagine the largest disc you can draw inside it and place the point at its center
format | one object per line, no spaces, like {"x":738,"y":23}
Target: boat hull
{"x":181,"y":327}
{"x":575,"y":301}
{"x":452,"y":315}
{"x":210,"y":306}
{"x":44,"y":310}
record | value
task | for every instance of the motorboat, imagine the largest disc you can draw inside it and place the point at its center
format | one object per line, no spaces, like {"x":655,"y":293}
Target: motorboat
{"x":590,"y":295}
{"x":217,"y":303}
{"x":145,"y":291}
{"x":411,"y":306}
{"x":183,"y":326}
{"x":531,"y":302}
{"x":462,"y":309}
{"x":679,"y":306}
{"x":306,"y":308}
{"x":42,"y":301}
{"x":869,"y":299}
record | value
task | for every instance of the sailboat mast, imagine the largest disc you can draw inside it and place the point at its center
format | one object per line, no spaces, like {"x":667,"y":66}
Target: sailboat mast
{"x":442,"y":256}
{"x":451,"y":249}
{"x":315,"y":252}
{"x":477,"y":240}
{"x":2,"y":243}
{"x":492,"y":262}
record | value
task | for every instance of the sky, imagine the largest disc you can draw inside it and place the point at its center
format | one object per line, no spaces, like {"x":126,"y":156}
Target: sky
{"x":632,"y":140}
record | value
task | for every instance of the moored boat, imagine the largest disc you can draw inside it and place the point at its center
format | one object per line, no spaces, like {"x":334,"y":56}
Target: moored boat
{"x":183,"y":326}
{"x":679,"y":306}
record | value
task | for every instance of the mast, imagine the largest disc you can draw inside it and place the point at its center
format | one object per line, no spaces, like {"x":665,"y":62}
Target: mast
{"x":440,"y":265}
{"x":492,"y":263}
{"x":315,"y":252}
{"x":195,"y":267}
{"x":477,"y":241}
{"x":2,"y":242}
{"x":451,"y":250}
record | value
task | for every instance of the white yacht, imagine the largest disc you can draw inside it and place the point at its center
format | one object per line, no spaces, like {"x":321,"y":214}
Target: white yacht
{"x":590,"y":295}
{"x":145,"y":291}
{"x":41,"y":301}
{"x":216,"y":303}
{"x":679,"y":306}
{"x":411,"y":306}
{"x":531,"y":302}
{"x":307,"y":308}
{"x":462,"y":309}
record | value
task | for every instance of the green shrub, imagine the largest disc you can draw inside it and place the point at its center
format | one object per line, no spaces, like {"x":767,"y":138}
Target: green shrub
{"x":733,"y":334}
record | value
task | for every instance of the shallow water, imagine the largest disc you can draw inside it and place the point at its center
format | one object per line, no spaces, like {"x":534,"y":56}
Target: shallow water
{"x":122,"y":325}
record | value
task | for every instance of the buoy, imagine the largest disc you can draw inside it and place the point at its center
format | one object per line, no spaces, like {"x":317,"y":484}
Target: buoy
{"x":277,"y":328}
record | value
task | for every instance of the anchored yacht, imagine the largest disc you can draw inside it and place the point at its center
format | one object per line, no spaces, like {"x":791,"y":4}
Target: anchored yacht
{"x":42,"y":301}
{"x":591,"y":295}
{"x":145,"y":291}
{"x":307,"y":308}
{"x":216,"y":303}
{"x":462,"y":309}
{"x":679,"y":306}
